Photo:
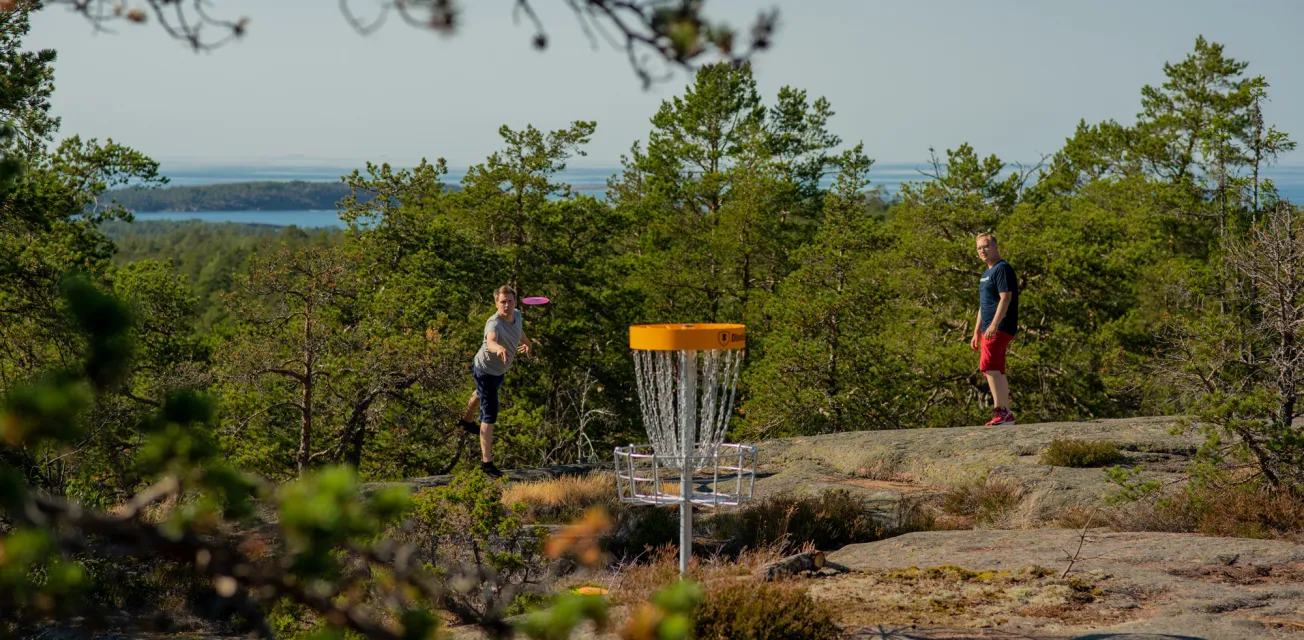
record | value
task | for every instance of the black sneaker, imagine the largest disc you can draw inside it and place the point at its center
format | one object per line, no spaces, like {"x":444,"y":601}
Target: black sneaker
{"x":490,"y":470}
{"x":469,"y":427}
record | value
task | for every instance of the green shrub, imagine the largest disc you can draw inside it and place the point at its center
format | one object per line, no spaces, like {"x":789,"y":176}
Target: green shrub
{"x":529,"y":602}
{"x":1131,"y":485}
{"x":289,"y":619}
{"x":1081,"y":453}
{"x":834,"y":518}
{"x":766,"y":611}
{"x":466,"y":524}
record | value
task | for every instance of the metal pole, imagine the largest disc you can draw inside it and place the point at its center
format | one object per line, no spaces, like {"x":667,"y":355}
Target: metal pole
{"x":620,"y":493}
{"x":687,"y":421}
{"x":685,"y":526}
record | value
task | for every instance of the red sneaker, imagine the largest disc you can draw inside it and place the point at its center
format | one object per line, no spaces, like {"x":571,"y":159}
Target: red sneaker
{"x":1000,"y":416}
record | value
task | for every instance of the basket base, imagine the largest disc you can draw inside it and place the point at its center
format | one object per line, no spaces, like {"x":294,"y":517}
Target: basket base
{"x":724,"y":477}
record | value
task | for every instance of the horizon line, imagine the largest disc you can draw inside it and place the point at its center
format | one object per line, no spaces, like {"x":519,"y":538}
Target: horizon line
{"x":336,"y":163}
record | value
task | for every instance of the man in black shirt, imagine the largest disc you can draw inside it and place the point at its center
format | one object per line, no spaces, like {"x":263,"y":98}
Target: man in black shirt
{"x":998,"y":321}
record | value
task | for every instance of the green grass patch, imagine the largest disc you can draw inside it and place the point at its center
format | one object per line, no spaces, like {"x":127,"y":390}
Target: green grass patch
{"x":1081,"y":453}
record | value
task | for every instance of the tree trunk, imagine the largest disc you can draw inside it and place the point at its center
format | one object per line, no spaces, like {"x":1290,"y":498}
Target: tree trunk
{"x":305,"y":428}
{"x":356,"y":433}
{"x":793,"y":565}
{"x":1286,"y":381}
{"x":1258,"y":152}
{"x":833,"y":387}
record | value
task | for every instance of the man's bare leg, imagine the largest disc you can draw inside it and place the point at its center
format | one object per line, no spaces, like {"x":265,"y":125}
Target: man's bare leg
{"x":1000,"y":386}
{"x":472,"y":408}
{"x":486,"y":442}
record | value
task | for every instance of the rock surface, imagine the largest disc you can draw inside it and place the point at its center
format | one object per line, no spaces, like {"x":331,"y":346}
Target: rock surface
{"x":1143,"y":585}
{"x":885,"y":466}
{"x":515,"y":475}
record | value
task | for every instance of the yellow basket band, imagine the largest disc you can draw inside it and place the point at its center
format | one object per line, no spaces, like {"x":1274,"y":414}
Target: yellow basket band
{"x":687,"y":337}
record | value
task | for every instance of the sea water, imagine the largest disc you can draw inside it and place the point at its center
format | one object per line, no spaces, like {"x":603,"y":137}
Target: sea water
{"x":585,"y":180}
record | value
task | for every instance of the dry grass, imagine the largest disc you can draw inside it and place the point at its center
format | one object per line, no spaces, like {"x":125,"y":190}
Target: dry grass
{"x":874,"y":463}
{"x":727,"y":580}
{"x":953,"y":596}
{"x":1244,"y":574}
{"x":1240,"y":512}
{"x":879,"y":469}
{"x":945,"y":473}
{"x":987,"y":499}
{"x":833,"y":518}
{"x":634,"y":583}
{"x":562,"y":499}
{"x":1077,"y":517}
{"x":766,"y":611}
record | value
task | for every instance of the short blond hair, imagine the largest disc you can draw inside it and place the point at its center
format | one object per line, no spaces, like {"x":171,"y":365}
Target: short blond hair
{"x":990,"y":236}
{"x":505,"y":289}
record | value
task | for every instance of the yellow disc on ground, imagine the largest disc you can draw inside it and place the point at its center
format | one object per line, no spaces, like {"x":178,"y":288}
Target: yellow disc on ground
{"x":591,"y":591}
{"x":687,"y":337}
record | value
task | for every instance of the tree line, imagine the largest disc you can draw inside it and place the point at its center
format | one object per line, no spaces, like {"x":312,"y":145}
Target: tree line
{"x":352,"y":347}
{"x":295,"y":195}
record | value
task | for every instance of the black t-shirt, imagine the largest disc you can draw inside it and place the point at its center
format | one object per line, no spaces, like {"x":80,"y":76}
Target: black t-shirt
{"x":997,"y":279}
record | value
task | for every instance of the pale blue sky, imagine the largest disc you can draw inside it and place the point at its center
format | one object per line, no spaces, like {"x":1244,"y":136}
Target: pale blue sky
{"x":1012,"y":77}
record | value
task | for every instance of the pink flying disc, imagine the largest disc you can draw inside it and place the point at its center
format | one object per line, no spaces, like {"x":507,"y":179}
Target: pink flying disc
{"x":534,"y":300}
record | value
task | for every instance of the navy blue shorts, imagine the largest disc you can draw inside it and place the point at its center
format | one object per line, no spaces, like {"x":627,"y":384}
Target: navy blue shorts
{"x":486,"y":386}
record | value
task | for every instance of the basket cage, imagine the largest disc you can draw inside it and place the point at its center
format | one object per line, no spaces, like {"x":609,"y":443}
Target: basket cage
{"x":723,"y":475}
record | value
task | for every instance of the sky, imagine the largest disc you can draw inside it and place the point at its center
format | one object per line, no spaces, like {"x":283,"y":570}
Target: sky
{"x":1011,"y":77}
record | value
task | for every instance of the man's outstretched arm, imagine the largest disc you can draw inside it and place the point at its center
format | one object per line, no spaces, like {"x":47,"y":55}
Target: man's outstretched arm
{"x":491,"y":343}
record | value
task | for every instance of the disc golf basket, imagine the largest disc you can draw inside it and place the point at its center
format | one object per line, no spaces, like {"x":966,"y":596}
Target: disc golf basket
{"x":686,"y":374}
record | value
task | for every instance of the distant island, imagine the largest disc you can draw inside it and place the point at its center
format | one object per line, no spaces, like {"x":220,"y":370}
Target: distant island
{"x":297,"y":195}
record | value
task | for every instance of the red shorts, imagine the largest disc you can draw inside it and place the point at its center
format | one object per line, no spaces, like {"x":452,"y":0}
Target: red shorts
{"x":993,"y":352}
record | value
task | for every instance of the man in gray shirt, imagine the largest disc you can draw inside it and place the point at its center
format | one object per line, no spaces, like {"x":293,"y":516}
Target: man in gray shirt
{"x":504,"y":337}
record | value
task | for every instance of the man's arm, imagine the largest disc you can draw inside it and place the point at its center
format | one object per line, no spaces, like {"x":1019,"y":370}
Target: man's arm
{"x":491,"y":343}
{"x":977,"y":331}
{"x":1001,"y":308}
{"x":525,"y":345}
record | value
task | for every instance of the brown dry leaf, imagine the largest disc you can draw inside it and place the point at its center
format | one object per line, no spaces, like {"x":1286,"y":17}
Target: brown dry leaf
{"x":581,"y":538}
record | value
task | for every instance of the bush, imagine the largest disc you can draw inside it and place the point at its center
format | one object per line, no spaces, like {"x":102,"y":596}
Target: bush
{"x":1249,"y":512}
{"x":1130,"y":485}
{"x":466,"y":524}
{"x":765,"y":611}
{"x":1081,"y":453}
{"x":1240,"y":512}
{"x":654,"y":527}
{"x":528,"y":602}
{"x":986,"y":499}
{"x":160,"y":595}
{"x":641,"y":529}
{"x":834,"y":518}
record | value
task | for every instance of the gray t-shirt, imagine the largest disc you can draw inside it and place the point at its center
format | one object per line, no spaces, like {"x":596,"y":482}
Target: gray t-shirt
{"x":508,"y":334}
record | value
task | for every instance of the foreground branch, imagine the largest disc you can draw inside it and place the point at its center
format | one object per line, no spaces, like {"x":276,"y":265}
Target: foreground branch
{"x":667,"y":33}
